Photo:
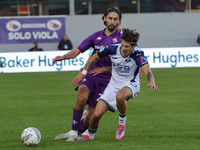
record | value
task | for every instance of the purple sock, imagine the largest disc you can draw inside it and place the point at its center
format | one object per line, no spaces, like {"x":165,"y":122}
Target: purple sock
{"x":81,"y":127}
{"x":77,"y":114}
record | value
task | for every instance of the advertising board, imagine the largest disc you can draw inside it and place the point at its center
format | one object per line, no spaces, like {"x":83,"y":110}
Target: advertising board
{"x":43,"y":61}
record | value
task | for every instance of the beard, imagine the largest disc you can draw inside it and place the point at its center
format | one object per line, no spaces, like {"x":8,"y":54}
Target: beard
{"x":111,"y":27}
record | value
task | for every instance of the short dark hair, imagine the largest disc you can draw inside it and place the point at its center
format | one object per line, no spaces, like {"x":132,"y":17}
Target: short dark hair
{"x":130,"y":36}
{"x":112,"y":9}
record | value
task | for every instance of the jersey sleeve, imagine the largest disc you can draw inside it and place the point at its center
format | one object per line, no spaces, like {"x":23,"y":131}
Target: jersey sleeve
{"x":141,"y":59}
{"x":108,"y":50}
{"x":86,"y":44}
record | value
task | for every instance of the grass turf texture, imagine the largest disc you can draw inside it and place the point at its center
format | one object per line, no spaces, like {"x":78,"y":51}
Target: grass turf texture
{"x":168,"y":120}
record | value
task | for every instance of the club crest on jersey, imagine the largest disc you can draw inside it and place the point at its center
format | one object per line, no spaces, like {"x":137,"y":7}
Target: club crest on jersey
{"x":115,"y":40}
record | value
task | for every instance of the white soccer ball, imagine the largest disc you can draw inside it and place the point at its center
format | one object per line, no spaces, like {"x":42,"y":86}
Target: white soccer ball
{"x":31,"y":136}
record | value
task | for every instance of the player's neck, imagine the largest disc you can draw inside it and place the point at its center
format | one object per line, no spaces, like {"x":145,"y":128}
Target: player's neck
{"x":108,"y":32}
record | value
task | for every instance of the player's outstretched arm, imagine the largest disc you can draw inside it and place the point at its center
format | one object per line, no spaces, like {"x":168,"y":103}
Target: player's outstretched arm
{"x":97,"y":71}
{"x":71,"y":54}
{"x":150,"y":78}
{"x":87,"y":67}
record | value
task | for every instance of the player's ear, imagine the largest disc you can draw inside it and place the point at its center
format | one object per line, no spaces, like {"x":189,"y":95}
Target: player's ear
{"x":134,"y":46}
{"x":104,"y":18}
{"x":120,"y":23}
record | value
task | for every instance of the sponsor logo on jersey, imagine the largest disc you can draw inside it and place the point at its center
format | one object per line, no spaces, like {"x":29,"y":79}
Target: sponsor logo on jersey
{"x":99,"y":47}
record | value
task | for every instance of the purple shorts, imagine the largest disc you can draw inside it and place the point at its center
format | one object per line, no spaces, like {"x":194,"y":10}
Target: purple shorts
{"x":96,"y":89}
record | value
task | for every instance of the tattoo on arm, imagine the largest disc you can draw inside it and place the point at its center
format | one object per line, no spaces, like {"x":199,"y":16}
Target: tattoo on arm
{"x":89,"y":64}
{"x":150,"y":75}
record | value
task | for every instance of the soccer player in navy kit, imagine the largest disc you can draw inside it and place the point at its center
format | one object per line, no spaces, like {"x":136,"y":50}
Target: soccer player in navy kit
{"x":127,"y":59}
{"x":92,"y":86}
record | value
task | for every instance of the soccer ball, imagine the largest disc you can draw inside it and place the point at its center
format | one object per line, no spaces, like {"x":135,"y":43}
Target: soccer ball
{"x":31,"y":136}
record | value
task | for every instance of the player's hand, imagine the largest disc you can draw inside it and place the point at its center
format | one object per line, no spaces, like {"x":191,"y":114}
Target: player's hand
{"x":96,"y":71}
{"x":78,"y":79}
{"x":153,"y":86}
{"x":57,"y":58}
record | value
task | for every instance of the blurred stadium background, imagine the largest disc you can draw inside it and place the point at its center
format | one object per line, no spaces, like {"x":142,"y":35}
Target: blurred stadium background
{"x":161,"y":23}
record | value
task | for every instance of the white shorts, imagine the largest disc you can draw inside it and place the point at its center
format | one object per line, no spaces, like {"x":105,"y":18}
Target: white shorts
{"x":109,"y":95}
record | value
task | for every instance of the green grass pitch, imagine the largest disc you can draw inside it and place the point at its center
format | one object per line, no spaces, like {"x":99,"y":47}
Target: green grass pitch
{"x":168,"y":120}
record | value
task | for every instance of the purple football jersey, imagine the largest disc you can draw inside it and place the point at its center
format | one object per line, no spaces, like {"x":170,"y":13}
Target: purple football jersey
{"x":98,"y":41}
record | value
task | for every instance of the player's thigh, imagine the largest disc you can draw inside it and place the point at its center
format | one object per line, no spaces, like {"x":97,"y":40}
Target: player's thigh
{"x":124,"y":93}
{"x":83,"y":93}
{"x":109,"y":98}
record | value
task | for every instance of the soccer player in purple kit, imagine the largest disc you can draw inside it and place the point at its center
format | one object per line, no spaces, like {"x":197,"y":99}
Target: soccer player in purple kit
{"x":90,"y":89}
{"x":127,"y":59}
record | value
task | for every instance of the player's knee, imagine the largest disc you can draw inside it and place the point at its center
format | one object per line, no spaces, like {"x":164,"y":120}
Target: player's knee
{"x":120,"y":97}
{"x":80,"y":102}
{"x":96,"y":116}
{"x":82,"y":99}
